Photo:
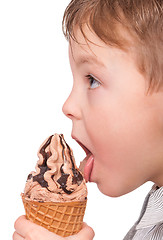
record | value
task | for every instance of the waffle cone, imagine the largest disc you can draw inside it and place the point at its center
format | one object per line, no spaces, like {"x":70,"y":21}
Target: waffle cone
{"x":64,"y":219}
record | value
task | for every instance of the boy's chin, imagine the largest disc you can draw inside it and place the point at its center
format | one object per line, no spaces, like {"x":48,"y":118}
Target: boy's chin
{"x":114,"y":190}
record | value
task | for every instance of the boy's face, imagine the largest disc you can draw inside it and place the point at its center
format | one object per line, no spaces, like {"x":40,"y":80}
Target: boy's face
{"x":113,"y":118}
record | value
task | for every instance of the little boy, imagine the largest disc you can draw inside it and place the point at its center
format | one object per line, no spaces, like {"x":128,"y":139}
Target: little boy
{"x":116,"y":104}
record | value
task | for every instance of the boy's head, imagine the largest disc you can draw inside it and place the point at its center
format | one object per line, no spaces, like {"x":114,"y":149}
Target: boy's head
{"x":124,"y":24}
{"x":117,"y":124}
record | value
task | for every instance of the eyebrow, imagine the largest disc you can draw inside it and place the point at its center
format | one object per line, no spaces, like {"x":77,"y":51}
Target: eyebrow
{"x":89,"y":59}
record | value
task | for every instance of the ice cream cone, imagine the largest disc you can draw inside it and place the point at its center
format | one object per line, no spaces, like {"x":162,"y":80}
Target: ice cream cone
{"x":62,"y":218}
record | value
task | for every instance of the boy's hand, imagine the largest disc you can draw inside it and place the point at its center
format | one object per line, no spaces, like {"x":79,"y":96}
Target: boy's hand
{"x":26,"y":230}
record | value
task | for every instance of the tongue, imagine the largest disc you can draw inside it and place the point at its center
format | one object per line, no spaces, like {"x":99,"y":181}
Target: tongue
{"x":86,"y":166}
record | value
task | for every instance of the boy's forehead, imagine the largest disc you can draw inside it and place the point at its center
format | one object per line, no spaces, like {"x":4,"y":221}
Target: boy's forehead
{"x":86,"y":49}
{"x":95,"y":55}
{"x":83,"y":54}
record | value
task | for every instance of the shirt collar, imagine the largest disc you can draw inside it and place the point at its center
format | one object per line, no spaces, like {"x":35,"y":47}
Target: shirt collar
{"x":152,"y":212}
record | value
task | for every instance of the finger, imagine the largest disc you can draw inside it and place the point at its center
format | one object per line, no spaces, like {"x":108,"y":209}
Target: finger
{"x":86,"y":233}
{"x":28,"y":229}
{"x":22,"y":226}
{"x":25,"y":227}
{"x":16,"y":236}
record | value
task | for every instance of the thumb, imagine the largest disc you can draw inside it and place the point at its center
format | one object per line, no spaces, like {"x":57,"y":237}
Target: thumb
{"x":86,"y":233}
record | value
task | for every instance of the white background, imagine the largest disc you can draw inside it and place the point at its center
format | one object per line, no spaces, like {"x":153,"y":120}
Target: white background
{"x":35,"y":80}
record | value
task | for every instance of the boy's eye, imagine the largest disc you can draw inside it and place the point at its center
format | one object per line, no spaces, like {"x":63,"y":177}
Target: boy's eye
{"x":94,"y":83}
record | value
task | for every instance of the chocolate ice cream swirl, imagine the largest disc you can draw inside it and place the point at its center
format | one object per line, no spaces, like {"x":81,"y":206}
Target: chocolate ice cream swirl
{"x":56,"y":178}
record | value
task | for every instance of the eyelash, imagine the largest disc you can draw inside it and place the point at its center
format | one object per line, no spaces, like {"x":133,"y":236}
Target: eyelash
{"x":92,"y":80}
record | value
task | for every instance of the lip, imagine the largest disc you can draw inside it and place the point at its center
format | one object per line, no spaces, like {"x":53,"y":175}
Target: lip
{"x":88,"y":161}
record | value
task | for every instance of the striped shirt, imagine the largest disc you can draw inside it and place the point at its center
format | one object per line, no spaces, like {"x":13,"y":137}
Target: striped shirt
{"x":150,"y":223}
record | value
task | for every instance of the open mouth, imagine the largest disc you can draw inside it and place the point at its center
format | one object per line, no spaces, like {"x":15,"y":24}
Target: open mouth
{"x":87,"y":164}
{"x":86,"y":150}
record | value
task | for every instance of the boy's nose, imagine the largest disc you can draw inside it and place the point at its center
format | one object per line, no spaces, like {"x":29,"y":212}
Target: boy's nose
{"x":71,"y":107}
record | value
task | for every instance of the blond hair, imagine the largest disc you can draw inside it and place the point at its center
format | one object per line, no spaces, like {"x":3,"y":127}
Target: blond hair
{"x":143,"y":20}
